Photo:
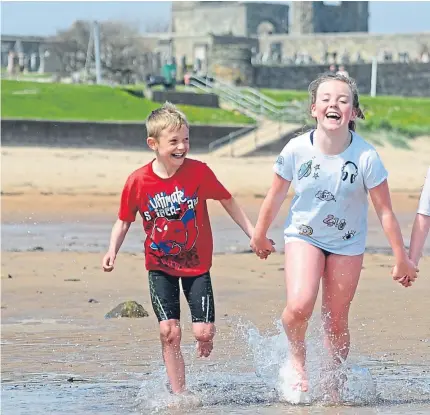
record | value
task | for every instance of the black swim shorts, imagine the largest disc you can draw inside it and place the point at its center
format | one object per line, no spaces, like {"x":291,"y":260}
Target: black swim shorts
{"x":165,"y":291}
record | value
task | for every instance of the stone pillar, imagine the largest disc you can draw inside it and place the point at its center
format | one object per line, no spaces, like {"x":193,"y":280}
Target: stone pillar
{"x":33,"y":62}
{"x":11,"y":63}
{"x":232,"y":63}
{"x":302,"y":17}
{"x":42,"y":61}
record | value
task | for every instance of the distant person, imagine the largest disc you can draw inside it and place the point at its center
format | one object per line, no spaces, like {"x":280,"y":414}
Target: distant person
{"x":170,"y":195}
{"x":332,"y":169}
{"x":332,"y":68}
{"x":342,"y":71}
{"x":421,"y":225}
{"x":187,"y":78}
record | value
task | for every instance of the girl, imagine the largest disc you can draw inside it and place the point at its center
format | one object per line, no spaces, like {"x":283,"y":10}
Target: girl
{"x":421,"y":225}
{"x":332,"y":169}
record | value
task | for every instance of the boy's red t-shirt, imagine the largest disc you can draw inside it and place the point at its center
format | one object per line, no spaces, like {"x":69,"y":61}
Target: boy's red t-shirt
{"x":175,"y":216}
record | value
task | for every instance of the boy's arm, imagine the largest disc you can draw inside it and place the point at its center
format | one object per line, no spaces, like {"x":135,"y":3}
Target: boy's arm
{"x":119,"y":231}
{"x":419,"y":234}
{"x":238,"y":215}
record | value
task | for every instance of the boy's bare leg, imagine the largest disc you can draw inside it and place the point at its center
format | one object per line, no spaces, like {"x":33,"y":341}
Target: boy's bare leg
{"x":204,"y":334}
{"x":170,"y":336}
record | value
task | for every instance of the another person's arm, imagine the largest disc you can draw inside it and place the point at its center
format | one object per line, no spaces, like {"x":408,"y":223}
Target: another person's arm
{"x":419,"y":235}
{"x":238,"y":215}
{"x":421,"y":225}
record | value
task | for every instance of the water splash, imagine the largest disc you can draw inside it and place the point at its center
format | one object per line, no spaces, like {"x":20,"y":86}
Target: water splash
{"x":254,"y":380}
{"x":271,"y":353}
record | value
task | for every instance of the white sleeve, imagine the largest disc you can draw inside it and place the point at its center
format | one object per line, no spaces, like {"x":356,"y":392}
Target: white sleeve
{"x":374,"y":171}
{"x":284,"y":165}
{"x":424,"y":206}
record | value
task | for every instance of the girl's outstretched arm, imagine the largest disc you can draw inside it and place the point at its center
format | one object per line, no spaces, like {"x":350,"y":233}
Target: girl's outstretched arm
{"x":269,"y":209}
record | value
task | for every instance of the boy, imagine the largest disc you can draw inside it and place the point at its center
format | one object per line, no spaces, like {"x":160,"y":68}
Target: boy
{"x":170,"y":194}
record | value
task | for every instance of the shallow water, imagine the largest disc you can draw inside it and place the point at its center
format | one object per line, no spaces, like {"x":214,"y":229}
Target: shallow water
{"x":248,"y":385}
{"x":94,"y":236}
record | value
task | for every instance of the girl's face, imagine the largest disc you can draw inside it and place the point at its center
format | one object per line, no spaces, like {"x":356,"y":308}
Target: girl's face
{"x":333,"y":108}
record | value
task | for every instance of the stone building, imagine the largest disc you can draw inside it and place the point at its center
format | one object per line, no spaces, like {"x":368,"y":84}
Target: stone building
{"x":29,"y":54}
{"x":236,"y":18}
{"x":325,"y":17}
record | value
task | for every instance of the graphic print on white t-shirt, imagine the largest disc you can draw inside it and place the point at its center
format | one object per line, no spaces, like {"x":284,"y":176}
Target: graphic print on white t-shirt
{"x":330,"y":205}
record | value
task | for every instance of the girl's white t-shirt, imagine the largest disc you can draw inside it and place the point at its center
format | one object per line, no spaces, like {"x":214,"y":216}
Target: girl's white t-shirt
{"x":330,"y":206}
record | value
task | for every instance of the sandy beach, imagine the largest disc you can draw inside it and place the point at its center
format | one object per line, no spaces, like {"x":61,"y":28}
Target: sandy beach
{"x":49,"y":325}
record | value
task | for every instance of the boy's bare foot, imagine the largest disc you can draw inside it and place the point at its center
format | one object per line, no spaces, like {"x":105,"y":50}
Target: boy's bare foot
{"x":204,"y":349}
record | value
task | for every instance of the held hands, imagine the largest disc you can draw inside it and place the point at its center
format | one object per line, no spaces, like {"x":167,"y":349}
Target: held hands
{"x":108,"y":262}
{"x":405,"y":272}
{"x":262,"y":246}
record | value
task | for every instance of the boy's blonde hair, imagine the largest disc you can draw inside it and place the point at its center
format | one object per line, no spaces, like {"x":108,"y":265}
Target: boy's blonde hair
{"x":165,"y":117}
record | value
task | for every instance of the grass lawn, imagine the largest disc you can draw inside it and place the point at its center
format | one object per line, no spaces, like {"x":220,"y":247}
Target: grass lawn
{"x":33,"y":100}
{"x":407,"y":116}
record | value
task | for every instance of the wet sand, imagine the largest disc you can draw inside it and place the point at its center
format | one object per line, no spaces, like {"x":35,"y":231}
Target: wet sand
{"x":49,"y":326}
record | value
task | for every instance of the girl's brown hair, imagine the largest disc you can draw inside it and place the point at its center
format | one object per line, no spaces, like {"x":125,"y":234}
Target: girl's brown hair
{"x":314,"y":85}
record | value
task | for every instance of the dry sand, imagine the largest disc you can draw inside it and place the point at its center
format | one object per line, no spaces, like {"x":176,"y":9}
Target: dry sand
{"x":48,"y":325}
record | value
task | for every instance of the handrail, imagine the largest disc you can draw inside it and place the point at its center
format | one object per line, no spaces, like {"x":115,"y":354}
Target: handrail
{"x":252,"y":103}
{"x":263,"y":106}
{"x":228,"y":137}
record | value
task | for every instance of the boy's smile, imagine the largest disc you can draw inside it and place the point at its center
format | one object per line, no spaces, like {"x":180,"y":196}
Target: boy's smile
{"x":172,"y":147}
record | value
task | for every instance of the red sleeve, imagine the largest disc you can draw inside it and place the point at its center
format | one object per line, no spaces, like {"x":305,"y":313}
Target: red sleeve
{"x":211,"y":188}
{"x":128,"y":207}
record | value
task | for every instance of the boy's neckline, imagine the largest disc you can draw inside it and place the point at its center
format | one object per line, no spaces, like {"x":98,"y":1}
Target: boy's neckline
{"x":151,"y":165}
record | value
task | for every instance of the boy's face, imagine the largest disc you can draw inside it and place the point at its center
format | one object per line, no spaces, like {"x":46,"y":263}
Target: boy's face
{"x":172,"y":146}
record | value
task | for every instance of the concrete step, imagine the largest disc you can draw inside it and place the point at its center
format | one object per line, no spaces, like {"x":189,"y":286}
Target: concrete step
{"x":267,"y":132}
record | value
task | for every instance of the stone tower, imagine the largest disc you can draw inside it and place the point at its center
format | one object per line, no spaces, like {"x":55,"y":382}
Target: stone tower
{"x":236,"y":18}
{"x":321,"y":17}
{"x":302,"y":17}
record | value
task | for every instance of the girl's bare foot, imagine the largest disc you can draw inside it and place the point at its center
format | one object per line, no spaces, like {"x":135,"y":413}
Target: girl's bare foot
{"x":302,"y":379}
{"x":293,"y":383}
{"x":184,"y":400}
